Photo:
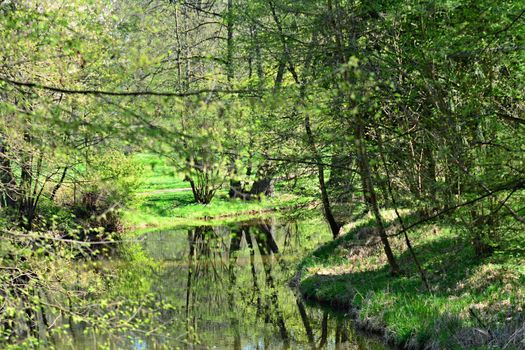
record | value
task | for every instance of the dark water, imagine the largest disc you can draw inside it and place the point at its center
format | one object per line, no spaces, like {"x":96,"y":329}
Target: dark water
{"x":228,"y":286}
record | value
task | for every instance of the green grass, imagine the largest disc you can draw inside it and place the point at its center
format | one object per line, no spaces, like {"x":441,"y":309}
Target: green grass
{"x":158,"y":174}
{"x":344,"y":274}
{"x":170,"y":208}
{"x":164,"y":200}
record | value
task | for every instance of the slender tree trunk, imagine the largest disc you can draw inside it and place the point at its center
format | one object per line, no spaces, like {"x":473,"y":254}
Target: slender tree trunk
{"x":369,"y":192}
{"x":334,"y":226}
{"x":59,"y":183}
{"x":26,"y":185}
{"x":429,"y":173}
{"x":287,"y":60}
{"x":229,"y":41}
{"x":401,"y":222}
{"x":7,"y":180}
{"x":364,"y":166}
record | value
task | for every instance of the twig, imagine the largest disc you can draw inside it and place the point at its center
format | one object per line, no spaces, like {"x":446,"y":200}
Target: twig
{"x":481,"y":323}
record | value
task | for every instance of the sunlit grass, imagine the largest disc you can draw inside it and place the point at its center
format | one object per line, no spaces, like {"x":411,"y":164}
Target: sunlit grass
{"x":170,"y":208}
{"x":158,"y":174}
{"x":339,"y":273}
{"x":164,"y":200}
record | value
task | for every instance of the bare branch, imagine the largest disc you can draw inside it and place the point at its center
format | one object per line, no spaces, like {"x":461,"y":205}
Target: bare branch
{"x":125,"y":93}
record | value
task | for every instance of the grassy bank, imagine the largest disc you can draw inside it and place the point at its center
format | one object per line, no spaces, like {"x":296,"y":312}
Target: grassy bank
{"x":473,"y":302}
{"x":164,"y":199}
{"x":160,"y":209}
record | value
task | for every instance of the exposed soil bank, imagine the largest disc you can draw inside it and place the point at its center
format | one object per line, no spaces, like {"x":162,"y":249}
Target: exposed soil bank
{"x":473,"y":302}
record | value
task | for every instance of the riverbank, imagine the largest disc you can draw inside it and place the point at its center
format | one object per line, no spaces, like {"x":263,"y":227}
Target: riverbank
{"x":173,"y":208}
{"x":473,"y":302}
{"x":164,"y":199}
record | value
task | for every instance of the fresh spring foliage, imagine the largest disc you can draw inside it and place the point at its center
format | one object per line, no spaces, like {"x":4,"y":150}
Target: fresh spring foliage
{"x":149,"y":113}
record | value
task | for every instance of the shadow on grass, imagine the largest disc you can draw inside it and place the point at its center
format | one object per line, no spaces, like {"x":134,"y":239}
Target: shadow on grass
{"x":162,"y":204}
{"x":415,"y":318}
{"x":446,"y":261}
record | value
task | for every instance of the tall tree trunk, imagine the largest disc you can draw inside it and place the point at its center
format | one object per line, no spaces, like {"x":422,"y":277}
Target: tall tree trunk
{"x":286,"y":59}
{"x":334,"y":226}
{"x":229,"y":41}
{"x":429,"y":173}
{"x":59,"y":183}
{"x":422,"y":273}
{"x":26,"y":185}
{"x":364,"y":166}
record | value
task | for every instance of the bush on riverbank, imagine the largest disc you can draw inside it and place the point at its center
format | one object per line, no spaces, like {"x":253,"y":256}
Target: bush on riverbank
{"x":473,"y":302}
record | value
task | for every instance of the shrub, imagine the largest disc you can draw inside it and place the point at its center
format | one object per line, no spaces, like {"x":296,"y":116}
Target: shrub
{"x":108,"y":184}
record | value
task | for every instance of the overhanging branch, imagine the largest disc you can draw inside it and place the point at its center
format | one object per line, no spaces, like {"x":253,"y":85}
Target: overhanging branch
{"x":34,"y":85}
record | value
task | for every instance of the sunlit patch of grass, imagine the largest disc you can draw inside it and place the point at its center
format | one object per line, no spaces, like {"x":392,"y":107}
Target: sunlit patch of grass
{"x":461,"y":284}
{"x":170,"y":208}
{"x":164,"y":200}
{"x":159,"y":174}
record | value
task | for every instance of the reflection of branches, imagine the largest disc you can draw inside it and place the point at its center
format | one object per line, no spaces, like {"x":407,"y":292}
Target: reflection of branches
{"x":48,"y":237}
{"x":324,"y":330}
{"x":202,"y":266}
{"x":235,"y":244}
{"x":341,"y":332}
{"x":267,"y":228}
{"x":306,"y":321}
{"x":256,"y":289}
{"x":266,"y":246}
{"x":207,"y":256}
{"x":291,"y":230}
{"x":43,"y":303}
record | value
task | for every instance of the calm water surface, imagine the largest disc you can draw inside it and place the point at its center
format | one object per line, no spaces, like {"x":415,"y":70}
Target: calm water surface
{"x":229,"y":289}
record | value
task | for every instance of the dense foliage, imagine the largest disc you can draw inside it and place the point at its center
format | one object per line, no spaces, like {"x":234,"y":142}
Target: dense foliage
{"x":383,"y":104}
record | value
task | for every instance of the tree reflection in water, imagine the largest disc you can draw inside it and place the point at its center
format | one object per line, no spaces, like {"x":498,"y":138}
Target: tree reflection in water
{"x":228,"y":289}
{"x":236,"y":289}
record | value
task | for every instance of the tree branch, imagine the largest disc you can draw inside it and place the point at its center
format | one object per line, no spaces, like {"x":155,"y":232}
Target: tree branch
{"x":34,"y":85}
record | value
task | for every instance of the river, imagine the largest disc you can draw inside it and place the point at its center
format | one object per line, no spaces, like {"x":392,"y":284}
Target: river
{"x":228,"y":288}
